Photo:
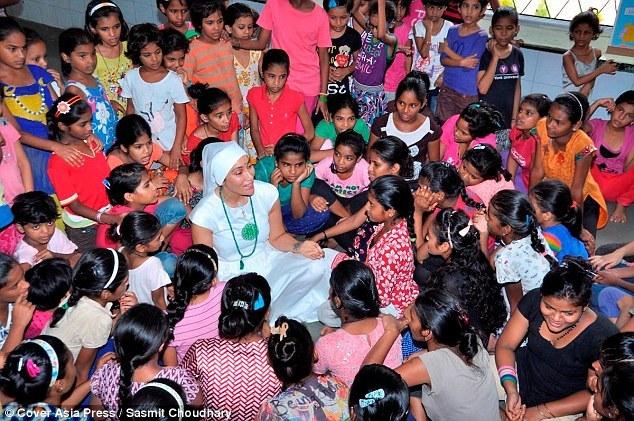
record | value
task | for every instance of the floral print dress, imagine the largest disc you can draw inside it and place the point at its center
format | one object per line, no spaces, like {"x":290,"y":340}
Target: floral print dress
{"x":248,"y":77}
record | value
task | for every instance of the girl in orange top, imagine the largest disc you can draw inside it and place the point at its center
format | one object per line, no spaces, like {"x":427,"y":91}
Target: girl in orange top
{"x":566,"y":154}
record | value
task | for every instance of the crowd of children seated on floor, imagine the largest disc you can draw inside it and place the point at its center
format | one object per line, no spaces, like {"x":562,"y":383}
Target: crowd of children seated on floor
{"x":182,"y":203}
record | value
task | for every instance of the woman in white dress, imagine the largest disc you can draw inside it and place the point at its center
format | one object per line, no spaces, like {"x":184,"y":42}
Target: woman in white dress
{"x":242,"y":219}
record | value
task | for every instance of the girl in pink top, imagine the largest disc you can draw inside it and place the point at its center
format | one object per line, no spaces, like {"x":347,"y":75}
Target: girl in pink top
{"x":193,"y":313}
{"x":613,"y":169}
{"x":483,"y":174}
{"x":402,"y":59}
{"x":476,"y":124}
{"x":300,"y":28}
{"x":15,"y":170}
{"x":355,"y":300}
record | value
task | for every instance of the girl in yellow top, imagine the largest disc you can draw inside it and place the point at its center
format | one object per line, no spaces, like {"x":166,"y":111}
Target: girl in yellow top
{"x":566,"y":154}
{"x":104,"y":21}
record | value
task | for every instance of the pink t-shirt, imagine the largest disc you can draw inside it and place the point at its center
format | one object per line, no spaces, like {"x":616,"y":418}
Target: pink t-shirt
{"x":396,"y":72}
{"x":59,"y":243}
{"x":103,"y":240}
{"x":199,"y":322}
{"x":488,"y":188}
{"x":617,"y":164}
{"x":355,"y":184}
{"x":38,"y":322}
{"x":10,"y":176}
{"x":299,"y":34}
{"x":342,"y":353}
{"x":447,"y":139}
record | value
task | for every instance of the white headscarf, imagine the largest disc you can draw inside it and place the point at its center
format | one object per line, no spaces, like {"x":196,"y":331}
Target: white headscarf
{"x":218,"y":159}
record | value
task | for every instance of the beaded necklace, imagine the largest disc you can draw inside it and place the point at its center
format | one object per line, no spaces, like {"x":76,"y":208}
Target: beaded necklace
{"x":249,"y":232}
{"x":41,"y":110}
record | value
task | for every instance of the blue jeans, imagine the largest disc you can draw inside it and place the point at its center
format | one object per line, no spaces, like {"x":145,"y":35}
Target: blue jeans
{"x":170,"y":211}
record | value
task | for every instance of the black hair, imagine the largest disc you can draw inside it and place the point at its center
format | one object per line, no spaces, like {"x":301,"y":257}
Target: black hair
{"x":589,"y":17}
{"x":444,"y":178}
{"x":576,"y":105}
{"x":49,"y":282}
{"x":390,"y":10}
{"x":53,"y":117}
{"x":208,"y":99}
{"x":541,"y":102}
{"x":245,"y":301}
{"x":70,"y":39}
{"x":137,"y":228}
{"x":32,"y":37}
{"x":129,"y":129}
{"x":24,"y":387}
{"x":414,"y":82}
{"x":196,"y":156}
{"x":482,"y":119}
{"x":393,"y":151}
{"x":171,"y":40}
{"x":572,"y":281}
{"x":141,"y":36}
{"x":487,"y":162}
{"x":505,"y":12}
{"x":236,"y":11}
{"x":353,"y":140}
{"x":555,"y":197}
{"x":34,"y":207}
{"x":617,"y":383}
{"x":340,"y":102}
{"x":616,"y":348}
{"x":442,"y":313}
{"x":92,"y":19}
{"x":123,"y":179}
{"x":353,"y":283}
{"x":332,"y":4}
{"x":166,"y":3}
{"x":9,"y":26}
{"x":90,"y":275}
{"x":394,"y":406}
{"x":275,"y":56}
{"x":483,"y":4}
{"x":195,"y":271}
{"x":626,"y":97}
{"x":393,"y":192}
{"x":138,"y":336}
{"x":6,"y":264}
{"x":439,"y":3}
{"x":468,"y":274}
{"x":291,"y":354}
{"x":153,"y":403}
{"x":200,"y":9}
{"x":292,"y":143}
{"x":513,"y":209}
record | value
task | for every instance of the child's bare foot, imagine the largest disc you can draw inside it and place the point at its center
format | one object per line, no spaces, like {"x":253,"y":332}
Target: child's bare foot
{"x":619,"y":215}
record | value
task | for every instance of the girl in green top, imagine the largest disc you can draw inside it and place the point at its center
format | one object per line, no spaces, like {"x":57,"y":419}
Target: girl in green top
{"x":290,"y":170}
{"x":344,"y":115}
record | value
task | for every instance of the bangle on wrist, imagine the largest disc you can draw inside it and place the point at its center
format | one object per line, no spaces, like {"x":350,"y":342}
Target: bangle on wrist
{"x":323,"y":99}
{"x":296,"y":246}
{"x":325,"y":236}
{"x":98,"y":216}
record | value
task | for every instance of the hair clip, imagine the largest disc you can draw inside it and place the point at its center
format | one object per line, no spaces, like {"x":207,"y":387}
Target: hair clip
{"x":371,"y":398}
{"x":464,"y":319}
{"x":573,"y":205}
{"x":567,"y":263}
{"x":20,"y":364}
{"x":63,"y":107}
{"x":332,"y":4}
{"x":528,"y":220}
{"x":64,"y":303}
{"x":479,"y":147}
{"x":259,"y":302}
{"x":465,"y":230}
{"x":280,"y":330}
{"x":106,"y":183}
{"x":475,"y":105}
{"x":32,"y":369}
{"x":240,"y":304}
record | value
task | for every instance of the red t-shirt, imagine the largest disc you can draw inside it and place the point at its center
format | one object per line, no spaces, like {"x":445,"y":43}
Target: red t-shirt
{"x":193,"y":140}
{"x":275,"y":118}
{"x":84,"y":183}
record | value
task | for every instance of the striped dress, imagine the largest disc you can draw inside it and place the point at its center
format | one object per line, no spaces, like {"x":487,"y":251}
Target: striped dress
{"x":199,"y":322}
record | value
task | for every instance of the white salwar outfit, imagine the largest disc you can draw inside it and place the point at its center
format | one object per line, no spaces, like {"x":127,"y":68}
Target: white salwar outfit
{"x":298,"y":285}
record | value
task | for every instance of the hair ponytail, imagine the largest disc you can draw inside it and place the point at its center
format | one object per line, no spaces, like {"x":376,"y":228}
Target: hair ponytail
{"x":245,"y":301}
{"x":195,"y":272}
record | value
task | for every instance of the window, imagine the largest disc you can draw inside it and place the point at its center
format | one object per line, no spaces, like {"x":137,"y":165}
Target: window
{"x":565,"y":9}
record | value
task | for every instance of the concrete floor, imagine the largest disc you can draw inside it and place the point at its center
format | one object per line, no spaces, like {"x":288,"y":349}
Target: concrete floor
{"x":613,"y":233}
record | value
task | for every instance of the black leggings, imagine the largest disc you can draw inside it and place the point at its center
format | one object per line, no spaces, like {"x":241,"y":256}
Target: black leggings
{"x":591,"y":211}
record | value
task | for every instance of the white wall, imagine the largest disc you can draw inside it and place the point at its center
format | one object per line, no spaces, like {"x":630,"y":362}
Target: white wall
{"x":542,"y":73}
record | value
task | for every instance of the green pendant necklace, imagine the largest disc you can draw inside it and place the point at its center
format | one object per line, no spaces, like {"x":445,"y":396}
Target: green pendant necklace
{"x":249,"y":231}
